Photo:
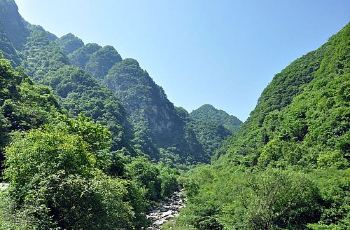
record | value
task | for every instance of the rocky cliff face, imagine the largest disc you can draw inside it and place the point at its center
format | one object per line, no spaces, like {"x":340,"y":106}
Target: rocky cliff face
{"x":150,"y":110}
{"x":12,"y":23}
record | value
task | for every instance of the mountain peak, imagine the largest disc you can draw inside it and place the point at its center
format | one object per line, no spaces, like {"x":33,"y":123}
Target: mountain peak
{"x":213,"y":112}
{"x":207,"y":106}
{"x":208,"y":113}
{"x":70,"y":43}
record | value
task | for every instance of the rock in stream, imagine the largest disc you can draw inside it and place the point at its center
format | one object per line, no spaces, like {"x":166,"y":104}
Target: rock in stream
{"x":3,"y":186}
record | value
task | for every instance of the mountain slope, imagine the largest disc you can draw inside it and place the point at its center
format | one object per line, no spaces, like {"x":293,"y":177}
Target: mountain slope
{"x":304,"y":109}
{"x":288,"y":165}
{"x":81,"y":93}
{"x":159,"y":130}
{"x":213,"y":126}
{"x":7,"y":49}
{"x":43,"y":58}
{"x":150,"y":111}
{"x":12,"y":23}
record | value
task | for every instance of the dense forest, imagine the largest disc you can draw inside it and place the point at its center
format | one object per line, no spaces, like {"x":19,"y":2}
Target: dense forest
{"x":89,"y":141}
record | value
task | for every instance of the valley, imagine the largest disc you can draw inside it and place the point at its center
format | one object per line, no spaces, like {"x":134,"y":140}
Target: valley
{"x":88,"y":140}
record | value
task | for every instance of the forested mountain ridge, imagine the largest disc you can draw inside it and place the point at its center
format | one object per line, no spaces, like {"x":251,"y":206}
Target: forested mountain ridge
{"x":288,"y":165}
{"x":79,"y":92}
{"x":305,"y":109}
{"x":114,"y":91}
{"x":210,"y":113}
{"x":155,"y":120}
{"x":213,"y":126}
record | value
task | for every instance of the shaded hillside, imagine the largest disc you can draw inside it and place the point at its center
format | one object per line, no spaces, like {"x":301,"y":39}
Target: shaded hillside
{"x":7,"y":49}
{"x":152,"y":114}
{"x":12,"y":23}
{"x":13,"y":31}
{"x":81,"y":93}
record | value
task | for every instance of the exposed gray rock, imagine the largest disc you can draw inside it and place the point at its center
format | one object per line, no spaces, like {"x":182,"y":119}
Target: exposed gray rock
{"x":166,"y":210}
{"x":3,"y":186}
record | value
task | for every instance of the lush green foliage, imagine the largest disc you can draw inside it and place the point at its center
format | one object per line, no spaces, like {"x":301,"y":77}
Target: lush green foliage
{"x":23,"y":105}
{"x":159,"y":181}
{"x":55,"y":178}
{"x":57,"y":181}
{"x":237,"y":198}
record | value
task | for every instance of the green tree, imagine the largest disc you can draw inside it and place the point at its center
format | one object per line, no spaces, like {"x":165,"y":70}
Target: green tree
{"x":146,"y":174}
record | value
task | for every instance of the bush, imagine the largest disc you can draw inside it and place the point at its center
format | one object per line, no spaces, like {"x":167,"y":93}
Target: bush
{"x":169,"y":183}
{"x":146,"y":175}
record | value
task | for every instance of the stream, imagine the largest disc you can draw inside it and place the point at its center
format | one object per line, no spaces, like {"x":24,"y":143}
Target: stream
{"x":166,"y":210}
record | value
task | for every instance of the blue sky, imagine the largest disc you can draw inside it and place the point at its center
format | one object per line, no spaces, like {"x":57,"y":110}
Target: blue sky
{"x":222,"y":52}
